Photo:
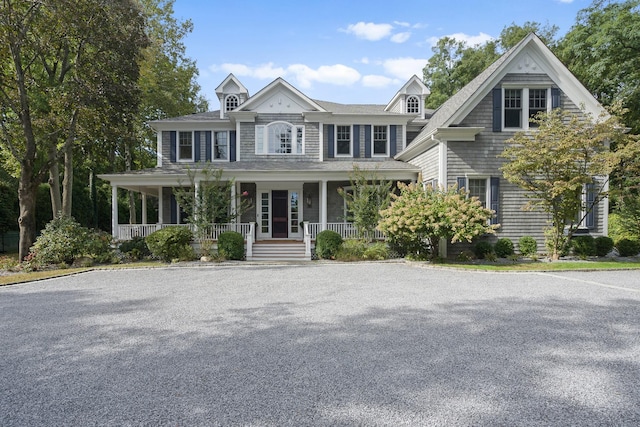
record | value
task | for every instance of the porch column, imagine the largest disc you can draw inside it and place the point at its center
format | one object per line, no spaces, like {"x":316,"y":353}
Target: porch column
{"x":114,"y":211}
{"x":323,"y":205}
{"x":144,"y":209}
{"x":196,"y":195}
{"x":160,"y":206}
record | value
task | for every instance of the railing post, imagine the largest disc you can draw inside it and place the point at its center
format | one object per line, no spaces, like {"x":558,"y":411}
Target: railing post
{"x":307,"y":241}
{"x":249,"y":239}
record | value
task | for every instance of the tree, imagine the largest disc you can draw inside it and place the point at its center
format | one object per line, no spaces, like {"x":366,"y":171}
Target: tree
{"x":566,"y":157}
{"x":61,"y":60}
{"x":429,"y":214}
{"x":454,"y":63}
{"x":366,"y":198}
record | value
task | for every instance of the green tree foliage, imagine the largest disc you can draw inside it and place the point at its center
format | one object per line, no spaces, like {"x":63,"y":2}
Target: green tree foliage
{"x":231,"y":245}
{"x":64,"y":64}
{"x":366,"y":198}
{"x":328,"y":243}
{"x":428,"y":214}
{"x":556,"y":163}
{"x":171,"y":243}
{"x":454,"y":63}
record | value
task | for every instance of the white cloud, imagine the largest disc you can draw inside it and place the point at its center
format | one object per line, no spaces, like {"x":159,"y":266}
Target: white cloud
{"x":369,"y":30}
{"x":565,"y":1}
{"x":400,"y":37}
{"x":481,"y":38}
{"x":237,"y":69}
{"x":377,"y":81}
{"x":364,"y":60}
{"x":337,"y":74}
{"x":404,"y":68}
{"x":402,"y":24}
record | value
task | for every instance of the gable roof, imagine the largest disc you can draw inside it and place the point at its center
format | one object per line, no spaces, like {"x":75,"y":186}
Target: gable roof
{"x":404,"y":90}
{"x":231,"y":79}
{"x":271,"y":87}
{"x":456,"y":108}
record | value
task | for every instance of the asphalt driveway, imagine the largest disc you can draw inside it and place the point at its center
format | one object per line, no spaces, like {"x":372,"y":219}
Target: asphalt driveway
{"x":321,"y":344}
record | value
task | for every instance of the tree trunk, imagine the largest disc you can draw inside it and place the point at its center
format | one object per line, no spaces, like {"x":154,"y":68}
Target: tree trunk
{"x":27,"y":221}
{"x":54,"y":184}
{"x":67,"y":182}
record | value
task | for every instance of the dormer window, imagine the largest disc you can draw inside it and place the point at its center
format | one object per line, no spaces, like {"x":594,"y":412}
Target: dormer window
{"x":231,"y":103}
{"x":413,"y":105}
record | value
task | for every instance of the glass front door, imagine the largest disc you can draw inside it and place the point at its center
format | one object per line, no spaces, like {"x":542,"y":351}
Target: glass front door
{"x":279,"y":217}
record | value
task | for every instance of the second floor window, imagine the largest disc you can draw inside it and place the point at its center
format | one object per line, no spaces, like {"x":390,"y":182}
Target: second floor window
{"x":185,"y":146}
{"x":280,"y":138}
{"x":343,"y":140}
{"x":220,"y":146}
{"x":380,"y":141}
{"x":520,"y":105}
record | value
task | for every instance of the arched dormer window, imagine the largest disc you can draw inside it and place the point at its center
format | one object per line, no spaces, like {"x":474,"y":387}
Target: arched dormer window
{"x":280,"y":138}
{"x":413,"y":105}
{"x":231,"y":103}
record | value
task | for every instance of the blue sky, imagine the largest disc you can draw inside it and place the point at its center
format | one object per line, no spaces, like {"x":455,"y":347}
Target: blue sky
{"x":347,"y":51}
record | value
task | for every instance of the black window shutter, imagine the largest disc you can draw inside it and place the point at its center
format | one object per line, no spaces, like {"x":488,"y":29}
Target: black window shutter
{"x":172,"y":146}
{"x":497,"y":109}
{"x":495,"y":198}
{"x":196,"y":146}
{"x":367,"y":141}
{"x":392,"y":140}
{"x":356,"y":140}
{"x":232,"y":146}
{"x":555,"y":97}
{"x":590,"y":220}
{"x":462,"y":182}
{"x":174,"y":210}
{"x":330,"y":145}
{"x":207,"y":148}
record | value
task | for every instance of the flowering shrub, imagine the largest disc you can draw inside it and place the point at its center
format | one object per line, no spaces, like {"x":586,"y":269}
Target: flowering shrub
{"x":427,"y":214}
{"x":61,"y":241}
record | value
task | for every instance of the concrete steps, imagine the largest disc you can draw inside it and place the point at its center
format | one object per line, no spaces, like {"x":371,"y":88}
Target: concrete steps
{"x":278,"y":251}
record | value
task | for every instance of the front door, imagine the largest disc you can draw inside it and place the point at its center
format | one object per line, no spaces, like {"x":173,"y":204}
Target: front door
{"x":280,"y":217}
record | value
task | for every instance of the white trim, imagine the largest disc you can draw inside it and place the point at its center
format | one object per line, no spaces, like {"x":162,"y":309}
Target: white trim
{"x":524,"y":110}
{"x":213,"y":146}
{"x":114,"y":210}
{"x":193,"y":147}
{"x":442,"y":163}
{"x":160,"y":206}
{"x":388,"y":141}
{"x":321,"y":141}
{"x":293,"y":142}
{"x":159,"y":148}
{"x":237,"y":141}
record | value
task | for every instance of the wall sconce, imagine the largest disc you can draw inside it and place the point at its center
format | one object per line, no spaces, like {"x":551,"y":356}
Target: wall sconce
{"x":308,"y":200}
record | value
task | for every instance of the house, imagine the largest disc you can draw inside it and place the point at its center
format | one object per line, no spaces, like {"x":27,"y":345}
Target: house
{"x":290,"y":153}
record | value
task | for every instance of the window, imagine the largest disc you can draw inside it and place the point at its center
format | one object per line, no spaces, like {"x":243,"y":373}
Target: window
{"x":520,"y":105}
{"x":343,"y":140}
{"x":478,"y":188}
{"x":413,"y":104}
{"x":231,"y":103}
{"x":185,"y":146}
{"x":280,"y":138}
{"x":220,"y":146}
{"x":380,"y":141}
{"x":513,"y":108}
{"x":537,"y":103}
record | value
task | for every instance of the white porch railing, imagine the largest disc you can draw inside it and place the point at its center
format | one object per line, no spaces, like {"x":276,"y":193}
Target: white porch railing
{"x":346,"y":229}
{"x":212,"y":232}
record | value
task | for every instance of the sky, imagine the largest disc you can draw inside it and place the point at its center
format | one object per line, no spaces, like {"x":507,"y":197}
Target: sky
{"x":346,"y":51}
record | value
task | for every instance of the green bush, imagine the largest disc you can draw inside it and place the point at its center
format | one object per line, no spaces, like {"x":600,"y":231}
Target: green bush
{"x":628,"y":247}
{"x":61,"y":241}
{"x":376,"y":251}
{"x":98,"y":246}
{"x":483,"y":249}
{"x":136,"y":248}
{"x":171,"y":243}
{"x":583,"y":246}
{"x":231,"y":245}
{"x":604,"y":245}
{"x":351,"y":250}
{"x":503,"y":248}
{"x":415,"y":247}
{"x":328,"y":243}
{"x":528,"y":246}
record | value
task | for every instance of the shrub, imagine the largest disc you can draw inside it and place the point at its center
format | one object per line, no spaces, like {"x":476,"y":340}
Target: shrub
{"x":61,"y":241}
{"x":528,"y":246}
{"x":482,"y":249}
{"x":376,"y":251}
{"x":328,"y":243}
{"x":171,"y":243}
{"x":351,"y":250}
{"x":628,"y":247}
{"x":98,"y":246}
{"x":414,"y":247}
{"x":136,"y":248}
{"x":583,"y":246}
{"x":231,"y":245}
{"x":604,"y":245}
{"x":503,"y":248}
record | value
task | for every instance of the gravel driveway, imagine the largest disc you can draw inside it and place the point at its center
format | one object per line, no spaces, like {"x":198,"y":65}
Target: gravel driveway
{"x":321,"y":344}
